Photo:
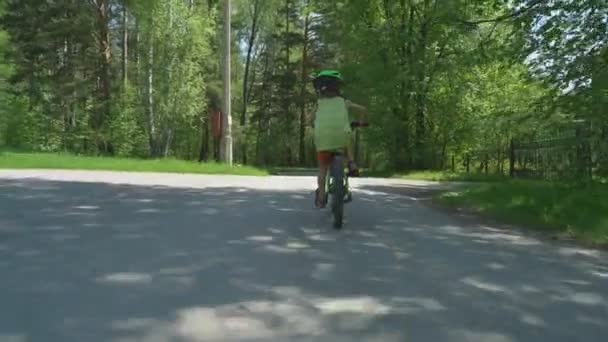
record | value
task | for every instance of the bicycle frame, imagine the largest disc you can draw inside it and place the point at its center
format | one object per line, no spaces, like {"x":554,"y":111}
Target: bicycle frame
{"x":329,"y":178}
{"x":336,"y":185}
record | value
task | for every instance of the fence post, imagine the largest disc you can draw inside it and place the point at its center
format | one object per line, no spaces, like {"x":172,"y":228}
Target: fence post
{"x":589,"y":160}
{"x":486,"y":163}
{"x":499,"y":161}
{"x":512,"y":158}
{"x":453,"y":163}
{"x":467,"y":162}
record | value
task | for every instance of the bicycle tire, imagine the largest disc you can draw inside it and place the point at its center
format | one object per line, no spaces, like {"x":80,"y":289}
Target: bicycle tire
{"x":337,"y":205}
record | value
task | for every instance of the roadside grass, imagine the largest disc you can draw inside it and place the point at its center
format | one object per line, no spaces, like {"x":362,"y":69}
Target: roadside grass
{"x":438,"y":176}
{"x":293,"y":171}
{"x":18,"y":160}
{"x":568,"y":210}
{"x":447,"y":176}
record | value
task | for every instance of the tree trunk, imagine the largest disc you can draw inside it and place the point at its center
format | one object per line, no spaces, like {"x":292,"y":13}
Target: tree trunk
{"x":303,"y":101}
{"x":402,"y":153}
{"x":262,"y":120}
{"x":257,"y":141}
{"x":217,"y":149}
{"x":246,"y":87}
{"x":287,"y":45}
{"x":251,"y":42}
{"x":167,"y":142}
{"x":137,"y":54}
{"x":154,"y":151}
{"x":204,"y":146}
{"x":286,"y":105}
{"x":421,"y":100}
{"x":443,"y":157}
{"x":125,"y":44}
{"x":486,"y":163}
{"x":512,"y":158}
{"x":105,"y":54}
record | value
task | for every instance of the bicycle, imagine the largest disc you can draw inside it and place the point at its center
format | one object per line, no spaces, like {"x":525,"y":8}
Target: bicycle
{"x":336,"y":183}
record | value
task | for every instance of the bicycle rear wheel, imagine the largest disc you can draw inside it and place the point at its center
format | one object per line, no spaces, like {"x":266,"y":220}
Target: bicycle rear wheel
{"x":337,"y":203}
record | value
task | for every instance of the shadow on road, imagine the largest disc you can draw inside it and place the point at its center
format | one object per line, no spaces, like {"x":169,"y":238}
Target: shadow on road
{"x":98,"y":262}
{"x":418,"y":191}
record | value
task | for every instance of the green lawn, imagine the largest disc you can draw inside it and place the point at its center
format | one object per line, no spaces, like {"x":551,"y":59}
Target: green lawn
{"x":578,"y":211}
{"x":439,"y":176}
{"x":451,"y":177}
{"x":13,"y":160}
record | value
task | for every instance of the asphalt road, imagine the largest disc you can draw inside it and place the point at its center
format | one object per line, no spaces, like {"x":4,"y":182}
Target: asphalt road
{"x":149,"y":257}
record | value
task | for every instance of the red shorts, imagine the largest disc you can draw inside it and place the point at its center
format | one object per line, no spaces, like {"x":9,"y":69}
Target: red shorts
{"x":324,"y":158}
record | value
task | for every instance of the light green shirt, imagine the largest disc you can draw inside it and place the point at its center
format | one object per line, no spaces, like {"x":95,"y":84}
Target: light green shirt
{"x":332,"y":124}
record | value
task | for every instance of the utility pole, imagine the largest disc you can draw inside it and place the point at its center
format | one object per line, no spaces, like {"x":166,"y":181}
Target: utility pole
{"x":227,"y":117}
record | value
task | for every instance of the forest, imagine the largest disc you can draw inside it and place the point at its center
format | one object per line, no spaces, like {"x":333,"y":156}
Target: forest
{"x":486,"y":85}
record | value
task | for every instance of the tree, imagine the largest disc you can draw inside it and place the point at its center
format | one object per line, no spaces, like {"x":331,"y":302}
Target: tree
{"x":6,"y":71}
{"x":173,"y":44}
{"x":443,"y":79}
{"x":102,"y":35}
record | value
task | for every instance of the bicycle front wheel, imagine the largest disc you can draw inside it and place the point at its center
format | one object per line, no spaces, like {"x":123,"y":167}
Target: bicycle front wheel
{"x":337,"y":203}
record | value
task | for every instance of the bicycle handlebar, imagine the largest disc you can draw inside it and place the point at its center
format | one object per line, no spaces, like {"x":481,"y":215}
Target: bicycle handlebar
{"x":356,"y":124}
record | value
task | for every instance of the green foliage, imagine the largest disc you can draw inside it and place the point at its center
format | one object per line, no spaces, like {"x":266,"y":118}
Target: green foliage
{"x":441,"y":78}
{"x":565,"y":36}
{"x":64,"y":161}
{"x":503,"y":103}
{"x":20,"y":127}
{"x":580,"y":212}
{"x":424,"y":78}
{"x":125,"y":129}
{"x":175,"y":45}
{"x":5,"y":72}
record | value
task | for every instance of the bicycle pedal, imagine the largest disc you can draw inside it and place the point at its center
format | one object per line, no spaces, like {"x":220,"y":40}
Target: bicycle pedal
{"x":348,"y":198}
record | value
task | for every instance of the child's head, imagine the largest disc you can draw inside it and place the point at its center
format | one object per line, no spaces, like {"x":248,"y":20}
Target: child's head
{"x":328,"y":83}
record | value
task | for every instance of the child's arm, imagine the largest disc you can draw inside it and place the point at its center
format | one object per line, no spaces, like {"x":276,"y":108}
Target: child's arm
{"x":359,"y":109}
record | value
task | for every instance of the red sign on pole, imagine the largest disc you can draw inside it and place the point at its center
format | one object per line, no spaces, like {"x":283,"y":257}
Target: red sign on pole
{"x":216,"y":124}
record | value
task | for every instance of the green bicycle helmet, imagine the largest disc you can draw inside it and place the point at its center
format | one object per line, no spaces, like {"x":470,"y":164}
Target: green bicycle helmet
{"x":330,"y":74}
{"x":327,"y":81}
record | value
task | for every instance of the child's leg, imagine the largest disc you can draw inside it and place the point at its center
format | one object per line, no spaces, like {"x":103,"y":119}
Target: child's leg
{"x":349,"y":150}
{"x":321,"y":184}
{"x":324,"y":159}
{"x":353,"y":170}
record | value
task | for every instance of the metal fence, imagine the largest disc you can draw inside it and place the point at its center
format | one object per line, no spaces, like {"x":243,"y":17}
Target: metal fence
{"x":566,"y":157}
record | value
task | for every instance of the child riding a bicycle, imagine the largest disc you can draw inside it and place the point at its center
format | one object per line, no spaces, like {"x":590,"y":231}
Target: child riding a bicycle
{"x":332,"y":126}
